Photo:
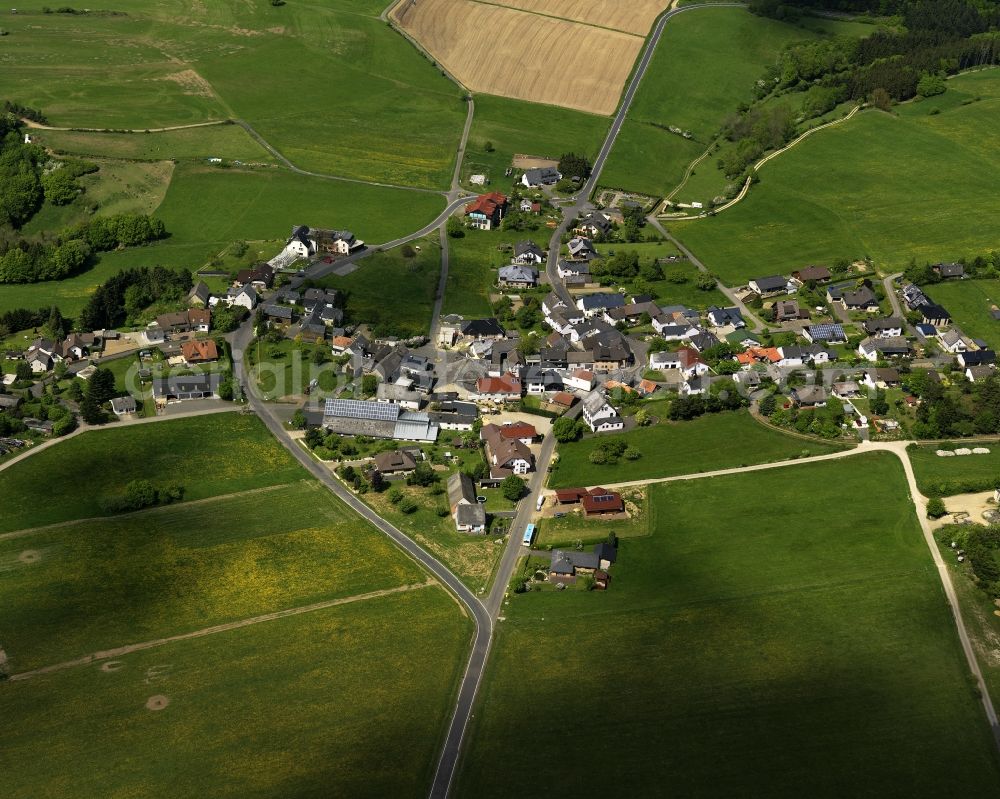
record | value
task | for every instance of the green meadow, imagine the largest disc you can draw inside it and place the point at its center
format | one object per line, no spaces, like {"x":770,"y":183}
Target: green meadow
{"x":753,"y":639}
{"x":969,"y":302}
{"x":705,"y":65}
{"x":893,"y":187}
{"x":329,"y":85}
{"x":956,"y":474}
{"x":711,"y":442}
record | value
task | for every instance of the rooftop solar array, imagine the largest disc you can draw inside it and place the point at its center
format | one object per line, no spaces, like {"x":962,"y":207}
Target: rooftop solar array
{"x":361,"y":409}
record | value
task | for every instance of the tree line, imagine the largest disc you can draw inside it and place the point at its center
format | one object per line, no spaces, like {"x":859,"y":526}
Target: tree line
{"x":138,"y":287}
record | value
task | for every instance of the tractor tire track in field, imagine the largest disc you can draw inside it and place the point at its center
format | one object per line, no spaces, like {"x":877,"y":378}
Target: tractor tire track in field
{"x":47,"y":528}
{"x":128,"y":649}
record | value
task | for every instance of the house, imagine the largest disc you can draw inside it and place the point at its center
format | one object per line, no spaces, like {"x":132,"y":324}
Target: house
{"x":725,"y":317}
{"x":280,"y":314}
{"x":952,"y":341}
{"x":914,"y":296}
{"x":10,"y":402}
{"x":950,"y":271}
{"x":543,"y":176}
{"x":812,"y":274}
{"x":517,"y":276}
{"x":395,"y":462}
{"x":606,"y":553}
{"x":121,"y":406}
{"x":934,"y":314}
{"x":42,"y":354}
{"x":925,"y":331}
{"x":687,"y":360}
{"x":468,"y":513}
{"x":566,"y":564}
{"x":601,"y":580}
{"x":888,"y":326}
{"x":527,"y":252}
{"x":195,"y":352}
{"x":529,"y":207}
{"x":505,"y":388}
{"x":767,"y":286}
{"x":758,"y":355}
{"x":977,"y":374}
{"x":599,"y":415}
{"x":377,"y":420}
{"x":563,"y":399}
{"x":198,"y":319}
{"x":809,"y":396}
{"x":880,"y":378}
{"x":702,"y":340}
{"x":846,"y":389}
{"x":203,"y":386}
{"x":595,"y":502}
{"x":505,"y":455}
{"x":695,"y":385}
{"x":863,"y":299}
{"x":581,"y":248}
{"x":245,"y":297}
{"x":593,"y":225}
{"x":573,"y":269}
{"x":401,"y":395}
{"x":453,"y":415}
{"x":260,"y":277}
{"x":579,"y":380}
{"x":874,"y":349}
{"x":982,"y":357}
{"x":334,"y":242}
{"x":486,"y":211}
{"x":594,"y":304}
{"x":483,"y":329}
{"x":825,"y":333}
{"x":787,"y":310}
{"x":198,"y":295}
{"x":519,"y":431}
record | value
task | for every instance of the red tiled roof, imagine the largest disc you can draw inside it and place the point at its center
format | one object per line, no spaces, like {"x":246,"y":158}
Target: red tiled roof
{"x":570,"y":494}
{"x":563,"y":398}
{"x":195,"y":351}
{"x":505,"y":384}
{"x":600,"y":500}
{"x":487,"y":203}
{"x":518,"y":430}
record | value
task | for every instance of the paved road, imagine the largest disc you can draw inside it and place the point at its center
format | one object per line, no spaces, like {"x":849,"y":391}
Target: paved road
{"x":483,"y":620}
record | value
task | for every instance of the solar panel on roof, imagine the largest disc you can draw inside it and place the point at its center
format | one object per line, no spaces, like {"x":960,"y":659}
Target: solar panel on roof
{"x":361,"y":409}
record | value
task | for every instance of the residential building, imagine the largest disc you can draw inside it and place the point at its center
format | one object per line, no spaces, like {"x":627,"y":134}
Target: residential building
{"x":517,"y":276}
{"x":395,"y":462}
{"x":888,"y":326}
{"x":203,"y":386}
{"x":486,"y":211}
{"x":505,"y":388}
{"x":812,"y":274}
{"x":874,"y":349}
{"x":527,"y":252}
{"x":599,"y":415}
{"x":466,"y":510}
{"x":197,"y":352}
{"x":543,"y":176}
{"x":767,"y":286}
{"x":378,"y":420}
{"x":505,"y":455}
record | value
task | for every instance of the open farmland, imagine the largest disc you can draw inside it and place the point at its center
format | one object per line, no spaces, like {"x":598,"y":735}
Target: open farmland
{"x":500,"y":50}
{"x":970,"y":302}
{"x":256,"y":639}
{"x":889,"y":186}
{"x":751,"y":640}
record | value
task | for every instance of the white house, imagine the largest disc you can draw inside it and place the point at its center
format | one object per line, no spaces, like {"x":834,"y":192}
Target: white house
{"x":244,"y":296}
{"x":685,"y":360}
{"x":599,"y":415}
{"x":579,"y":380}
{"x":545,"y":176}
{"x":952,"y":341}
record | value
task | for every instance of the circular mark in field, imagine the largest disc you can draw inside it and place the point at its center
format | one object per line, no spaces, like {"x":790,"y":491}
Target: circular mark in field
{"x":30,"y":556}
{"x":112,"y":665}
{"x":157,"y":702}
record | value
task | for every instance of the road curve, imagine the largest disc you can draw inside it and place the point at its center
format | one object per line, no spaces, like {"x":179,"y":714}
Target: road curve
{"x":483,"y":620}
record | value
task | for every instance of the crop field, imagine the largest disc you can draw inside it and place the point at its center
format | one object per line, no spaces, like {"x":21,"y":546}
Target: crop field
{"x":90,"y":467}
{"x":500,"y":50}
{"x":969,"y":302}
{"x":636,"y":17}
{"x":217,"y":141}
{"x":390,"y":292}
{"x":889,"y":186}
{"x":172,"y":635}
{"x":331,"y":86}
{"x":714,"y":441}
{"x":705,"y":65}
{"x":816,"y":650}
{"x":934,"y":472}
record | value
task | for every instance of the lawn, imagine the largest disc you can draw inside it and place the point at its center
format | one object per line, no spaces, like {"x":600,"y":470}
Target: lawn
{"x":938,"y":476}
{"x":678,"y":287}
{"x":229,"y":142}
{"x":714,"y":441}
{"x":329,"y":85}
{"x":566,"y":530}
{"x":208,"y":455}
{"x":705,"y":65}
{"x":288,"y":369}
{"x":893,"y":187}
{"x":515,"y":127}
{"x":391,"y":293}
{"x":815,"y":650}
{"x":472,"y":268}
{"x":310,"y":705}
{"x":969,"y":302}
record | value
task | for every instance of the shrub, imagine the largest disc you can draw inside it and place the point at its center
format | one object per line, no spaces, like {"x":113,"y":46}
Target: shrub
{"x":407,"y":505}
{"x":632,"y":454}
{"x":935,"y":508}
{"x":395,"y":496}
{"x":598,"y":456}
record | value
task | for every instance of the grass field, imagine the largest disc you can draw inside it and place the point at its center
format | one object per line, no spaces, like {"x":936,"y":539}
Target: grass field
{"x":892,"y":187}
{"x":391,"y":292}
{"x":330,"y":85}
{"x":929,"y":469}
{"x":218,"y":141}
{"x":312,"y":705}
{"x":969,"y":302}
{"x":515,"y":127}
{"x":705,"y":65}
{"x":472,"y":268}
{"x":364,"y":657}
{"x":208,"y":455}
{"x":752,"y":640}
{"x":495,"y":49}
{"x":713,"y":441}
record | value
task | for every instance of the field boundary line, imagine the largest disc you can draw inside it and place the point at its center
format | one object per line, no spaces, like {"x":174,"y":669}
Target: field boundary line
{"x":46,"y":528}
{"x":749,"y":181}
{"x":565,"y":19}
{"x":128,"y":649}
{"x":40,"y":126}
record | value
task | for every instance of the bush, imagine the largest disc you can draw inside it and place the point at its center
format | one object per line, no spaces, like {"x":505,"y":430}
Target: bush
{"x":395,"y":495}
{"x":598,"y":456}
{"x":512,"y":488}
{"x":407,"y":505}
{"x":632,"y":454}
{"x":935,"y":508}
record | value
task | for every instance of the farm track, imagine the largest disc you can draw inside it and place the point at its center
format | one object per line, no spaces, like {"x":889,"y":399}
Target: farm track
{"x":129,"y":649}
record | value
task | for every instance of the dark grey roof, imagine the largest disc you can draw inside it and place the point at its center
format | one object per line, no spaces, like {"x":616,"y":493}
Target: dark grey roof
{"x":481,"y":328}
{"x":771,"y":282}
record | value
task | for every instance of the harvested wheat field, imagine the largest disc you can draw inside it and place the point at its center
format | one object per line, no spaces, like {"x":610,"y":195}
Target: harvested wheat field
{"x":635,"y":16}
{"x":529,"y":54}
